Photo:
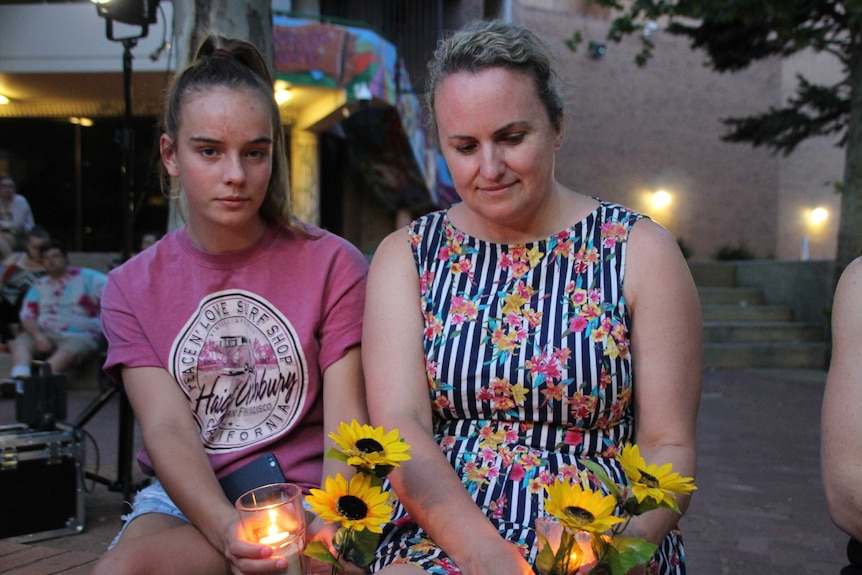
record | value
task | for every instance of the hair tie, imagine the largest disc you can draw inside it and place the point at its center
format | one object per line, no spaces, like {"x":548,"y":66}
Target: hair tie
{"x":221,"y":54}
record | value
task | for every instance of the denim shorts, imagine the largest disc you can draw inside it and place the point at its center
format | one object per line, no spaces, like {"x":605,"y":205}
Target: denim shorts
{"x":154,"y":499}
{"x":151,"y":499}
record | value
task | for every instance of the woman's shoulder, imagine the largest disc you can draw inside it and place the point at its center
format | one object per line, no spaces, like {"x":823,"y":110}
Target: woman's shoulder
{"x":850,"y":283}
{"x":610,"y":211}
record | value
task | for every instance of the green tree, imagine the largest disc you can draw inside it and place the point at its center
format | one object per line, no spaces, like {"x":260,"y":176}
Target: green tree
{"x":736,"y":33}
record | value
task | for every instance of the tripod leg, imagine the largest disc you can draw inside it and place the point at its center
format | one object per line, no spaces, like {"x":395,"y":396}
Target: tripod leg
{"x":126,"y":446}
{"x":94,"y":407}
{"x":125,"y":439}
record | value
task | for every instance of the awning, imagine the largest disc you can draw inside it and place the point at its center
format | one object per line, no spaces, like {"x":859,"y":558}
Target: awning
{"x":381,"y":115}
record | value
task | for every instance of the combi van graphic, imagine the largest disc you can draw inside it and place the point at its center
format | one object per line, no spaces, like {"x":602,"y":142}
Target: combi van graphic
{"x":238,"y":354}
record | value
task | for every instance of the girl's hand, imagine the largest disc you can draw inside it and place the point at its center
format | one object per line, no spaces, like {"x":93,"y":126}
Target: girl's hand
{"x":248,"y":558}
{"x":318,"y":530}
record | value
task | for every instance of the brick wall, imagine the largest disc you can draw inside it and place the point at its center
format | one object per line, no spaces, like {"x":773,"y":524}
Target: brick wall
{"x":632,"y":130}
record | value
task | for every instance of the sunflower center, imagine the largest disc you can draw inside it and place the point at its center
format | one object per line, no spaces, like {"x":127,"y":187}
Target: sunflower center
{"x":368,"y":445}
{"x":648,"y":479}
{"x":351,"y":507}
{"x":580,"y":515}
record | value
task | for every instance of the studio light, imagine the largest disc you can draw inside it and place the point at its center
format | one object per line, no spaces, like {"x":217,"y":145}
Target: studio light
{"x":140,"y":13}
{"x":132,"y":12}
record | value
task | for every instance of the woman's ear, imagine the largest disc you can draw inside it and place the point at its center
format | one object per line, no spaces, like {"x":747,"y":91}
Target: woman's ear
{"x":168,"y":151}
{"x":558,"y":139}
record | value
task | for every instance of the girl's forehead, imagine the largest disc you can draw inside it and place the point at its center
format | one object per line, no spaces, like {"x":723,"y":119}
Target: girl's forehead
{"x":225,"y":109}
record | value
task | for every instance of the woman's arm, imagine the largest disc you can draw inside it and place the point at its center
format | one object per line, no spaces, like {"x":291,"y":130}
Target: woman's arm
{"x":398,"y":398}
{"x":841,"y":439}
{"x":667,"y":351}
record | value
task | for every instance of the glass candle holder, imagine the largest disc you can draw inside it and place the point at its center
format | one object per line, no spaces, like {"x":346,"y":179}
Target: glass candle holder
{"x":553,"y":532}
{"x":273,"y":515}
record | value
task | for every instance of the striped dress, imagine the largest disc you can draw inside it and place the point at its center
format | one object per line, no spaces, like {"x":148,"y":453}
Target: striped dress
{"x":529,"y":369}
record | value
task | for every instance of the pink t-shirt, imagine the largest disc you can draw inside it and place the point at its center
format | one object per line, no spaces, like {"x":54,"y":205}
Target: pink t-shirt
{"x":246,"y":335}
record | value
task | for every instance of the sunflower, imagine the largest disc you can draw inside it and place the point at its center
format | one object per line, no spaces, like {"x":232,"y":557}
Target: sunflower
{"x":581,"y":509}
{"x":355,"y":505}
{"x":369,"y":448}
{"x":660,"y":483}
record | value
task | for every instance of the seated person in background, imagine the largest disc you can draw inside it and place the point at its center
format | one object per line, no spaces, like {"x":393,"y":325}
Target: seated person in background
{"x":16,"y":217}
{"x":841,"y":437}
{"x":60,"y":316}
{"x":21,"y":270}
{"x":148,"y":239}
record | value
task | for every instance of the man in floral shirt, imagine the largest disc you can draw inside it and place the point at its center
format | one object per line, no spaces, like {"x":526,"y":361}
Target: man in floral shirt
{"x":59,"y":317}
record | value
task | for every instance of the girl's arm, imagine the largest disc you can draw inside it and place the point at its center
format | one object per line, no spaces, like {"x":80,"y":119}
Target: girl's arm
{"x":172,"y":440}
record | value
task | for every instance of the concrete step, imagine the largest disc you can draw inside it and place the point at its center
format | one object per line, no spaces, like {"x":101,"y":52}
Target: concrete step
{"x":737,"y":312}
{"x":730,"y":295}
{"x":807,"y":355}
{"x":713,"y":274}
{"x":761,"y":331}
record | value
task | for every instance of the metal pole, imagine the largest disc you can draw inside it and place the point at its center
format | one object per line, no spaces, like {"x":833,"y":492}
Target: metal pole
{"x":79,"y":191}
{"x":128,"y":145}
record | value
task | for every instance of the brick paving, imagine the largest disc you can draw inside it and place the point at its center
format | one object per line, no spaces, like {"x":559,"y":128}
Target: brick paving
{"x":759,"y":509}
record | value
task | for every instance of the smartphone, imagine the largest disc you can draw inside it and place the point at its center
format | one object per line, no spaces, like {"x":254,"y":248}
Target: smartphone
{"x":260,"y":471}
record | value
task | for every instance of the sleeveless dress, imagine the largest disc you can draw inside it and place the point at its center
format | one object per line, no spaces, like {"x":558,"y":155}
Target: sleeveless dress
{"x":528,"y":364}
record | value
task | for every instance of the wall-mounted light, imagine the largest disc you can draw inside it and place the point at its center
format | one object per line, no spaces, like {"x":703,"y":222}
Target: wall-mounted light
{"x":818,"y":215}
{"x":85,"y":122}
{"x":661,"y":199}
{"x":282,"y":92}
{"x":3,"y":100}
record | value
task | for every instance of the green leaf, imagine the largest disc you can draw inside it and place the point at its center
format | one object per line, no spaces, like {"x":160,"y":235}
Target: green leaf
{"x":625,"y":553}
{"x":632,"y":507}
{"x":600,"y":472}
{"x":364,"y":544}
{"x":337,"y":454}
{"x":317,"y":550}
{"x":545,"y":557}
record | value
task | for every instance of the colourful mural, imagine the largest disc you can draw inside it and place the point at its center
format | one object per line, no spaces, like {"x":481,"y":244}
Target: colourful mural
{"x":395,"y":156}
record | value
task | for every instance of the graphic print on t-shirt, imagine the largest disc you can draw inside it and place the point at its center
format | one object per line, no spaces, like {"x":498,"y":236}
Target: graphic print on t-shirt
{"x":240,"y":364}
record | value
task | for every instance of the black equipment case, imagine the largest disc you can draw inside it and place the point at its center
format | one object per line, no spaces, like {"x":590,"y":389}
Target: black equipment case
{"x":41,"y":483}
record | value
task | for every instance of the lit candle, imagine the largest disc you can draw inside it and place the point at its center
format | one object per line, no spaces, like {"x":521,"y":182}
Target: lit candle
{"x":553,"y":532}
{"x":273,"y":515}
{"x":284,"y":544}
{"x":585,"y":543}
